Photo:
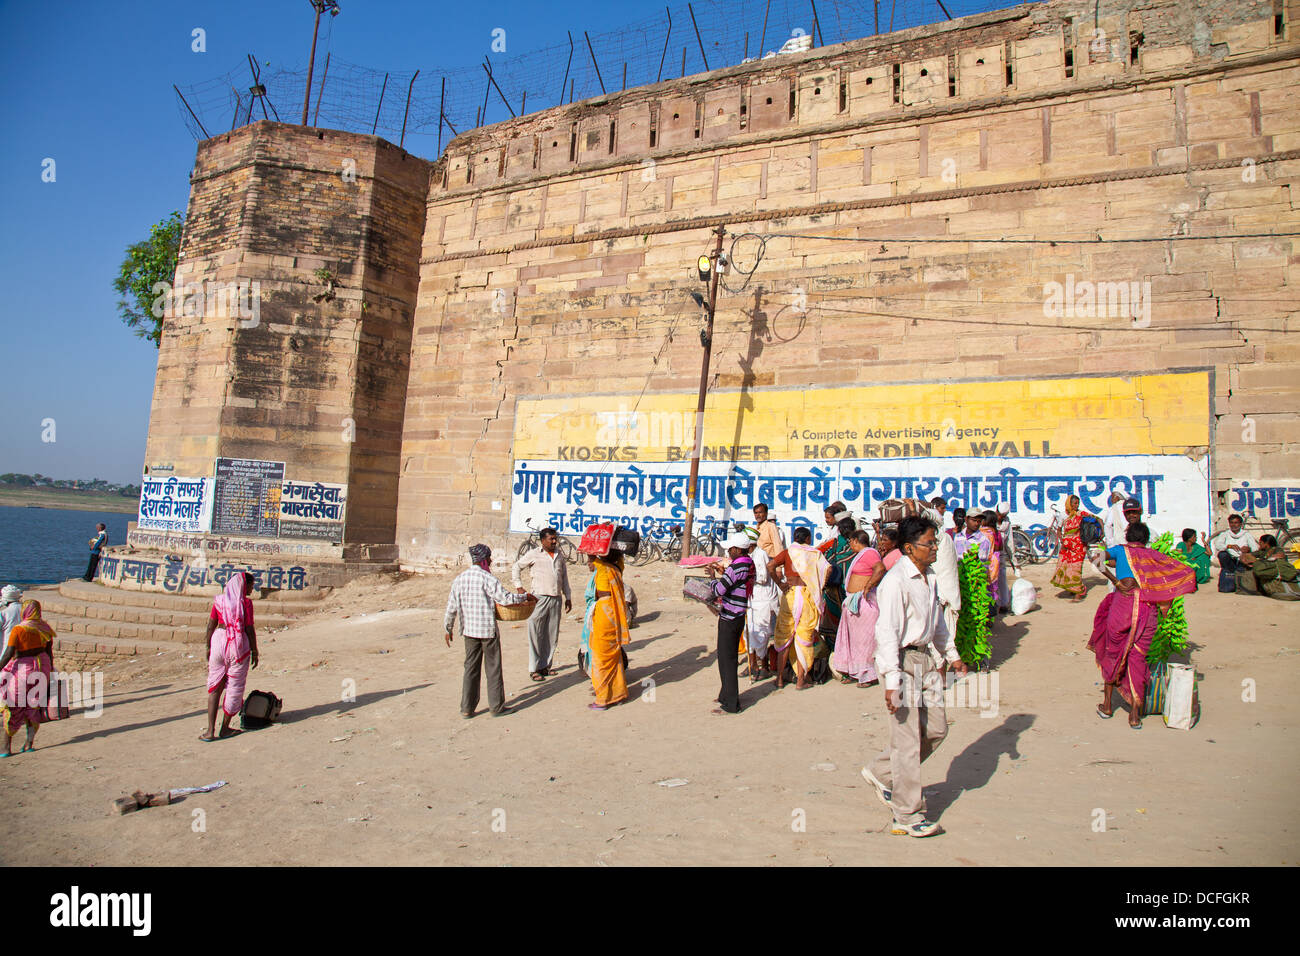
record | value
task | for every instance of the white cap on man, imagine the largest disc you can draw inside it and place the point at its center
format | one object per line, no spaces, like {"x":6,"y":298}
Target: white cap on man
{"x":10,"y":594}
{"x":738,"y":540}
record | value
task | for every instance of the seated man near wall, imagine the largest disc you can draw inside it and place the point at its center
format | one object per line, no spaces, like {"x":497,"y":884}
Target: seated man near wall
{"x":1228,"y":546}
{"x":1275,"y":575}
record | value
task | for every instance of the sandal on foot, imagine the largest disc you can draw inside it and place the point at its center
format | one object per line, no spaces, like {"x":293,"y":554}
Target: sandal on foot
{"x":1137,"y":726}
{"x":597,"y":707}
{"x":227,"y":734}
{"x":1103,"y":715}
{"x":536,"y":676}
{"x":206,"y":739}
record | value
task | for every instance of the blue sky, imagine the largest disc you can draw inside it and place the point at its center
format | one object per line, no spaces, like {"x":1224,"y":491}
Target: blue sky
{"x":89,"y":85}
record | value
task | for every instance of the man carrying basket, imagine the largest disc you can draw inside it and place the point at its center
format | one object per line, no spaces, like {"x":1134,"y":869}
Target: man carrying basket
{"x":474,"y":596}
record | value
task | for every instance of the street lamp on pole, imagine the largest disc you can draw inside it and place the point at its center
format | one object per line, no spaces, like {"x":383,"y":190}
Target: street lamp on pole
{"x":320,"y":7}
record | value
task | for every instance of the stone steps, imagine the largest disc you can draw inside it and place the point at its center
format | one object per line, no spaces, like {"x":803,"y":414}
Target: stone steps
{"x":201,"y":603}
{"x":96,"y":624}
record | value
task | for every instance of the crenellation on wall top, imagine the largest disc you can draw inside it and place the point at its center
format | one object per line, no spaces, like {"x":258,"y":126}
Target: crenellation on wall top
{"x":1001,"y":57}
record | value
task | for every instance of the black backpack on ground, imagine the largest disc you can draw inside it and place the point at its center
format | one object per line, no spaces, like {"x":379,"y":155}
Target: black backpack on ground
{"x":260,"y":710}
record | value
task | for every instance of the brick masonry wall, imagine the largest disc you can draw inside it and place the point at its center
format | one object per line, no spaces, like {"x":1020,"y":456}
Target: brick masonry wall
{"x":559,"y":265}
{"x":320,"y":380}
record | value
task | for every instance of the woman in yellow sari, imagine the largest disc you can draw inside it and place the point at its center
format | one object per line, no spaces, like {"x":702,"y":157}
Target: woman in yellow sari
{"x":608,"y":633}
{"x":802,"y":570}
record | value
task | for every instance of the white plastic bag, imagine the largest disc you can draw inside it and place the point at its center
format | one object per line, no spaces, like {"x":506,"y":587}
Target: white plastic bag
{"x":1182,"y":710}
{"x":1023,"y":596}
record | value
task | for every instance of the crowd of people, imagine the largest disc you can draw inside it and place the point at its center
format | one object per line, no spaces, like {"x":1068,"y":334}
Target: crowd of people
{"x":1245,"y":564}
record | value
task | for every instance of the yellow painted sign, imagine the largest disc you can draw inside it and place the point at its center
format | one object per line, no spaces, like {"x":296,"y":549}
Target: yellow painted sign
{"x":1165,"y":414}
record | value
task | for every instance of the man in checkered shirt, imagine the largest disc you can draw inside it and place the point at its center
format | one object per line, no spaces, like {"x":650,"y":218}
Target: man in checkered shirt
{"x":474,"y":596}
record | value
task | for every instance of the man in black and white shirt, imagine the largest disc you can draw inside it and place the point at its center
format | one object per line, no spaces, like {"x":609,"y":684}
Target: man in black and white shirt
{"x":474,"y":596}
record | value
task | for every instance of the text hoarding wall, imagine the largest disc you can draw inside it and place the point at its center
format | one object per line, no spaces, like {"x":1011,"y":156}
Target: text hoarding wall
{"x":1030,"y":442}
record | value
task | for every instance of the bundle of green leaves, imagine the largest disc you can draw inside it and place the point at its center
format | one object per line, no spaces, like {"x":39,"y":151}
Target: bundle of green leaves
{"x":1171,"y":632}
{"x":973,"y":627}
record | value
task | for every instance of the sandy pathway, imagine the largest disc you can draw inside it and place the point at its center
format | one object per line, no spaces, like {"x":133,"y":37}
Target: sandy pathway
{"x":554,"y":783}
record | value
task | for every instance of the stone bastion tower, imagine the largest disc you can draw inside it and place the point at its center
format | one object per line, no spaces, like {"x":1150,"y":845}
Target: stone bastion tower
{"x":1041,"y":251}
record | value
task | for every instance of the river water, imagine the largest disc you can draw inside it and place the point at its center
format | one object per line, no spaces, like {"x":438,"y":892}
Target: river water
{"x":47,"y":545}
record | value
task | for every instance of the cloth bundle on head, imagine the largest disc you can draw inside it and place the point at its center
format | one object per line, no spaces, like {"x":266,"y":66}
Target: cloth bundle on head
{"x":479,"y":553}
{"x":752,"y":535}
{"x":1003,"y":508}
{"x":10,"y":594}
{"x":841,"y":515}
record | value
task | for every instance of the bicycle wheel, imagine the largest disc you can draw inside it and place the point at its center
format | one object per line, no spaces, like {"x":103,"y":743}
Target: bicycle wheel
{"x":1023,"y":548}
{"x":672,"y":551}
{"x":570,"y":552}
{"x":1042,"y":545}
{"x":528,"y":545}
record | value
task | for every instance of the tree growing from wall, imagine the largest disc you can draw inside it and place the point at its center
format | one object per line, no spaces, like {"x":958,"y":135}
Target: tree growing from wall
{"x":147,"y":263}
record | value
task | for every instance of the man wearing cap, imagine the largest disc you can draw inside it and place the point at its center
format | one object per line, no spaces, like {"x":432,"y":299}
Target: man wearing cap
{"x":11,"y":611}
{"x":1003,"y":511}
{"x":474,"y":596}
{"x":1131,"y":510}
{"x":732,"y":591}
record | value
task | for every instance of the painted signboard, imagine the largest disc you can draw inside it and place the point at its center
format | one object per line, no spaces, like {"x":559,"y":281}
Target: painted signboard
{"x":312,"y":509}
{"x":1031,"y":443}
{"x":247,"y":498}
{"x":175,"y":504}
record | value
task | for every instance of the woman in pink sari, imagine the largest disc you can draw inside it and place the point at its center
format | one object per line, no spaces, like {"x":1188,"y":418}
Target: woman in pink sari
{"x":1146,"y":582}
{"x":855,"y":641}
{"x":232,"y":646}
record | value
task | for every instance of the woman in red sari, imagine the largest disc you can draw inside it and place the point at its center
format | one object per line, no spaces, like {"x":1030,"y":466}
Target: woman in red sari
{"x":1069,"y":567}
{"x":1146,"y":582}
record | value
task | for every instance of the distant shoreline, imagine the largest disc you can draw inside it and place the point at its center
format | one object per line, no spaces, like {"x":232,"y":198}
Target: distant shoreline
{"x":68,"y":500}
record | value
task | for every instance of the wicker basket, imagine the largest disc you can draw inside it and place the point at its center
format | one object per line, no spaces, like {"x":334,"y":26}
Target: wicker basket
{"x":516,"y":612}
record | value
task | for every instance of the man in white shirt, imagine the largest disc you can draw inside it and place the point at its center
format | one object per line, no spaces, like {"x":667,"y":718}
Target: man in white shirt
{"x":910,"y":623}
{"x":550,"y":582}
{"x":1114,"y":526}
{"x":764,"y":603}
{"x":1228,"y":547}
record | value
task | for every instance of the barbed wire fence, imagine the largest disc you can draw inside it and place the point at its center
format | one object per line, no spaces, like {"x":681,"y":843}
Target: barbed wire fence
{"x":427,"y":107}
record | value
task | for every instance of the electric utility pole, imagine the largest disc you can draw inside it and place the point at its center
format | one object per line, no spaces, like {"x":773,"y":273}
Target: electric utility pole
{"x":706,"y":338}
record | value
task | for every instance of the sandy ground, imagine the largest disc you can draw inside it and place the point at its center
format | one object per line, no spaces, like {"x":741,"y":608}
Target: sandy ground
{"x":397,"y":777}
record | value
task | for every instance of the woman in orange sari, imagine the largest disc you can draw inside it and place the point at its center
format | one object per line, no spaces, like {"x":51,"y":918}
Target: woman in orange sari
{"x":608,"y":633}
{"x":25,"y":668}
{"x":802,"y":571}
